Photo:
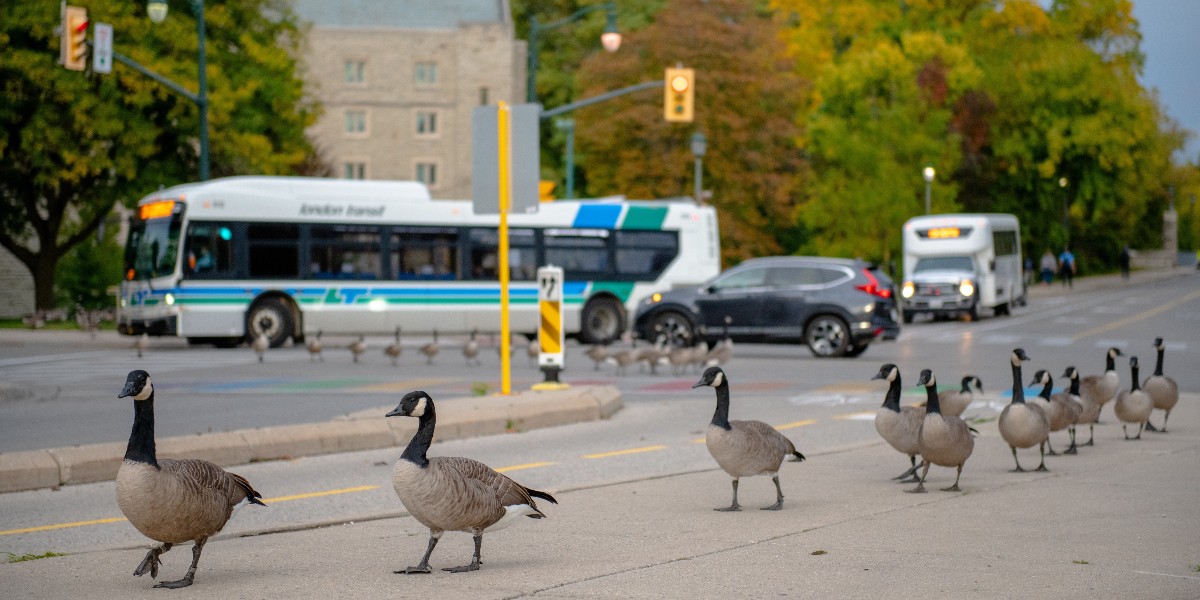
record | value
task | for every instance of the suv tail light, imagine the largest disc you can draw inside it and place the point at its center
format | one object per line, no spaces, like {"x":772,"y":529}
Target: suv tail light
{"x":872,"y":286}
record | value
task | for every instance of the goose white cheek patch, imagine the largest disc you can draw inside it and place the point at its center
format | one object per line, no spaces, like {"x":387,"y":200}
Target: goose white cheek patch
{"x":419,"y":411}
{"x":146,"y":391}
{"x":718,"y":380}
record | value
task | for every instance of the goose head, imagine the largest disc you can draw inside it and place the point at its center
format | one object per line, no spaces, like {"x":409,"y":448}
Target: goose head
{"x":1018,"y":356}
{"x":138,"y":385}
{"x":1042,"y":377}
{"x":413,"y":404}
{"x":1114,"y":352}
{"x":1158,"y":344}
{"x":1071,"y":373}
{"x":888,"y":371}
{"x":972,"y":379}
{"x":927,"y":379}
{"x":712,"y":377}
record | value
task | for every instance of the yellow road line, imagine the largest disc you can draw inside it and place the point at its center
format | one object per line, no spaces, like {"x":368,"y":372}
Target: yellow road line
{"x":628,"y":451}
{"x":1135,"y":318}
{"x":62,"y":526}
{"x":857,"y":415}
{"x":361,"y":488}
{"x":532,"y":465}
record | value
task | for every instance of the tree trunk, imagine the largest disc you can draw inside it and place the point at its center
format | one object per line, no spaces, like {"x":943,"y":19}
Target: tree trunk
{"x":43,"y":268}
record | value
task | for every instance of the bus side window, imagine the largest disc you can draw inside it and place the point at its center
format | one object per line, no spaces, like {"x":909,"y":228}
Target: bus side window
{"x":425,"y":253}
{"x":209,"y":250}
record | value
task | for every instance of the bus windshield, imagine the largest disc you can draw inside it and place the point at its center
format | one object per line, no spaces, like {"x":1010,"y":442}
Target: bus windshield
{"x":152,"y":248}
{"x":944,"y":263}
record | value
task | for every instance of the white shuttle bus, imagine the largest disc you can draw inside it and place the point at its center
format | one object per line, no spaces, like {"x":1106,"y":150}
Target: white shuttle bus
{"x":961,"y":264}
{"x":230,"y":259}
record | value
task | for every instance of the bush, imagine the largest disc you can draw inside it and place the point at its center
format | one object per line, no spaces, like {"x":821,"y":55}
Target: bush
{"x":86,"y":272}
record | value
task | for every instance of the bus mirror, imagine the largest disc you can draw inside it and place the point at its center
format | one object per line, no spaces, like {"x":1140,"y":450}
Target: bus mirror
{"x":992,"y":265}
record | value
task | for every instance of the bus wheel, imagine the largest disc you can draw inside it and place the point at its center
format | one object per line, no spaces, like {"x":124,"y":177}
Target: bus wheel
{"x":827,"y":336}
{"x":602,"y":321}
{"x":271,"y":318}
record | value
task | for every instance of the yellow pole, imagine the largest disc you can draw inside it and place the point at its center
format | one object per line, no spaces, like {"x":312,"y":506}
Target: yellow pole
{"x":504,"y":161}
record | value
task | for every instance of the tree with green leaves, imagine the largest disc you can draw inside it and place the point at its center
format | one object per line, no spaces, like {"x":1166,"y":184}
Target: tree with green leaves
{"x":74,"y":144}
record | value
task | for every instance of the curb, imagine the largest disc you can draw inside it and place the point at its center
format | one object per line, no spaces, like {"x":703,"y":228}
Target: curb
{"x":363,"y":430}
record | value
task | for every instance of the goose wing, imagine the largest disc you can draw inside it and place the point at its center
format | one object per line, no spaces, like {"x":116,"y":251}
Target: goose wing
{"x":486,"y":481}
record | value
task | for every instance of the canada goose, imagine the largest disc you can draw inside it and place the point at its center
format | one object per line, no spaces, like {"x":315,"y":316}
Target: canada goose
{"x":942,"y":440}
{"x":700,"y":353}
{"x":1023,"y":425}
{"x":431,"y":349}
{"x":598,"y":353}
{"x":899,"y":426}
{"x":1072,"y":403}
{"x":1057,"y":411}
{"x":394,"y":349}
{"x":260,"y":344}
{"x":358,"y":347}
{"x":470,"y":350}
{"x":680,"y":357}
{"x":172,"y":501}
{"x":652,"y":355}
{"x":1162,"y":389}
{"x":722,"y":351}
{"x":88,"y":320}
{"x":1089,"y":410}
{"x":532,"y":350}
{"x":141,"y":344}
{"x":1135,"y":405}
{"x":314,"y":348}
{"x":624,"y":357}
{"x":1102,"y":388}
{"x":954,"y":402}
{"x":453,"y":493}
{"x":744,"y":448}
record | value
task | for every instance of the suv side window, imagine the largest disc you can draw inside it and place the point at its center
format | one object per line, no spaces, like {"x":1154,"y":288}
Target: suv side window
{"x":750,"y":278}
{"x":834,"y":276}
{"x":795,"y":276}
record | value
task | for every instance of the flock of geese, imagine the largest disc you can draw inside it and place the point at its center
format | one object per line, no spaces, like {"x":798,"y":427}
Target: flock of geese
{"x":175,"y":501}
{"x":936,"y":432}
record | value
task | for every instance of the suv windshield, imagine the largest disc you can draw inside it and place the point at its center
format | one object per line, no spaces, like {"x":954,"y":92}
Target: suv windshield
{"x":944,"y":263}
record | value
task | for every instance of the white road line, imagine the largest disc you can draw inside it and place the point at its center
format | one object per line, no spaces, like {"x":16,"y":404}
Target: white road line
{"x":47,"y":358}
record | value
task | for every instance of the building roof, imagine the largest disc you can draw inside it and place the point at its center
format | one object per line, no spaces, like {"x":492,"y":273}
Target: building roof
{"x":405,"y":14}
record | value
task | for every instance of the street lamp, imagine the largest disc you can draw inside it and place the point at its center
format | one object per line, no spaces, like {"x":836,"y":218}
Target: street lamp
{"x":699,"y":146}
{"x":928,"y":173}
{"x":157,"y":9}
{"x":610,"y":39}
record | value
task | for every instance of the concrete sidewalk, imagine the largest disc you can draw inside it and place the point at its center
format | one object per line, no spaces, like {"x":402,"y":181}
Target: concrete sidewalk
{"x":1106,"y":282}
{"x":1117,"y":520}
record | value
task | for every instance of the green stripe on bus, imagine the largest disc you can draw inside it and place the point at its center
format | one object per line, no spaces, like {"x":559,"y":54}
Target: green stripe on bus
{"x":620,"y":289}
{"x":645,"y":217}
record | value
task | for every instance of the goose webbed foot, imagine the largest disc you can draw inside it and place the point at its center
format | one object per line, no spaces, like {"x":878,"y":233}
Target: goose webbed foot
{"x":920,"y":489}
{"x":423,"y":567}
{"x":778,"y":505}
{"x":417,"y":570}
{"x":174,"y":585}
{"x":474,"y":566}
{"x":1042,"y":468}
{"x":1150,"y":427}
{"x":731,"y":508}
{"x":1017,"y":470}
{"x":910,"y":473}
{"x":953,"y":488}
{"x":1071,"y":450}
{"x":911,"y":479}
{"x":151,"y":562}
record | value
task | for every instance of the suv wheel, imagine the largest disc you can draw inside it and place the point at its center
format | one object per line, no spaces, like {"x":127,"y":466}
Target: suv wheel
{"x":676,"y":326}
{"x":827,"y":336}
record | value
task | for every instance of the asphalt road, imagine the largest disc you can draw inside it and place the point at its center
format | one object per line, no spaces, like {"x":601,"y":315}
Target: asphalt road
{"x":62,"y":391}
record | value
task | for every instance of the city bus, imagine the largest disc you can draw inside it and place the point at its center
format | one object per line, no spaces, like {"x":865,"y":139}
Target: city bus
{"x":960,"y":264}
{"x":230,"y":259}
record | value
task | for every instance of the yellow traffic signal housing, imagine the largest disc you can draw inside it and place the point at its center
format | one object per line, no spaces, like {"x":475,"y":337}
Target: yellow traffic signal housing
{"x":546,"y":191}
{"x":74,"y":38}
{"x":679,"y":93}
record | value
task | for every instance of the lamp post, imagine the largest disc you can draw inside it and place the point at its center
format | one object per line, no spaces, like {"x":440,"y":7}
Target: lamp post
{"x":157,"y":9}
{"x":568,"y":125}
{"x":1062,"y":184}
{"x":928,"y":173}
{"x":610,"y":39}
{"x":699,"y":146}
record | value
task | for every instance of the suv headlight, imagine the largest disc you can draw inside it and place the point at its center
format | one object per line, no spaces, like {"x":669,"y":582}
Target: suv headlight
{"x":908,"y":289}
{"x":967,"y":287}
{"x":654,"y":298}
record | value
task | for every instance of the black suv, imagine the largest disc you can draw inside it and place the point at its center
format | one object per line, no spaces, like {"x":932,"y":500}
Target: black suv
{"x":835,"y":306}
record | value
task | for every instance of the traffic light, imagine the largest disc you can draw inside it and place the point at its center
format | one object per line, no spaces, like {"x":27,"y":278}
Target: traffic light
{"x":73,"y":53}
{"x":678,"y":96}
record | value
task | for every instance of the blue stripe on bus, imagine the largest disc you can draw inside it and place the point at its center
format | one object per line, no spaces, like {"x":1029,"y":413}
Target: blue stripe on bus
{"x":599,"y":216}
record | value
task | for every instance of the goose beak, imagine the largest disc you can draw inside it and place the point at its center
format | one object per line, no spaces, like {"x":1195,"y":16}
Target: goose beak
{"x":128,"y":390}
{"x":396,"y":412}
{"x":698,"y":384}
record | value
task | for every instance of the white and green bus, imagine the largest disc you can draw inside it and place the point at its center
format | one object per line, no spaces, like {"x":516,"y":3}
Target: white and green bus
{"x":232,"y":258}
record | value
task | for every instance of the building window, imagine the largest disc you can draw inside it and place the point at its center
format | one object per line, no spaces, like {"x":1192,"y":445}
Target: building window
{"x":354,"y":170}
{"x":355,"y":71}
{"x":483,"y":96}
{"x":427,"y":173}
{"x":426,"y":123}
{"x":426,"y":74}
{"x":356,"y":122}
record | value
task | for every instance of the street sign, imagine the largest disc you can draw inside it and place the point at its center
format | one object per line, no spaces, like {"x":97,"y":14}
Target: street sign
{"x":524,"y":155}
{"x":102,"y":52}
{"x":550,"y":332}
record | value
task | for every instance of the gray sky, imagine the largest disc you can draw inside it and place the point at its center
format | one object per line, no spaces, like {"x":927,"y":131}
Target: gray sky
{"x":1171,"y":42}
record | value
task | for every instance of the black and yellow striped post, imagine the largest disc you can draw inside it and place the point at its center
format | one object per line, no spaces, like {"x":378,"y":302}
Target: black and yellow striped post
{"x":550,"y":331}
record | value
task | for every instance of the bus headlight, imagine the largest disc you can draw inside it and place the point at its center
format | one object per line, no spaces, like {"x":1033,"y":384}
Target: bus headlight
{"x":169,"y":299}
{"x":908,"y":289}
{"x":967,"y":287}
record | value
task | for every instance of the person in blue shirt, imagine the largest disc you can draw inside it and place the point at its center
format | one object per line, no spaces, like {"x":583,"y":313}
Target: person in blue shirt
{"x":1066,"y":267}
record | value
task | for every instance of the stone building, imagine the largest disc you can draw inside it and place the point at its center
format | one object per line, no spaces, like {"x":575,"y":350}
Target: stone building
{"x":399,"y":80}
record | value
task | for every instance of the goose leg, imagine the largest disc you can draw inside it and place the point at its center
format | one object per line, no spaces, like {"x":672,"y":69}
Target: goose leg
{"x":152,"y":561}
{"x":734,"y":506}
{"x":1091,"y":435}
{"x":778,"y":495}
{"x":1165,"y":417}
{"x":191,"y":573}
{"x":475,"y":560}
{"x":1150,"y":426}
{"x":424,"y":566}
{"x":1017,"y":460}
{"x":1042,"y":466}
{"x":920,"y":489}
{"x":1072,"y":449}
{"x":1124,"y":431}
{"x":1140,"y":427}
{"x":954,"y":488}
{"x":1050,"y":448}
{"x":909,"y":476}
